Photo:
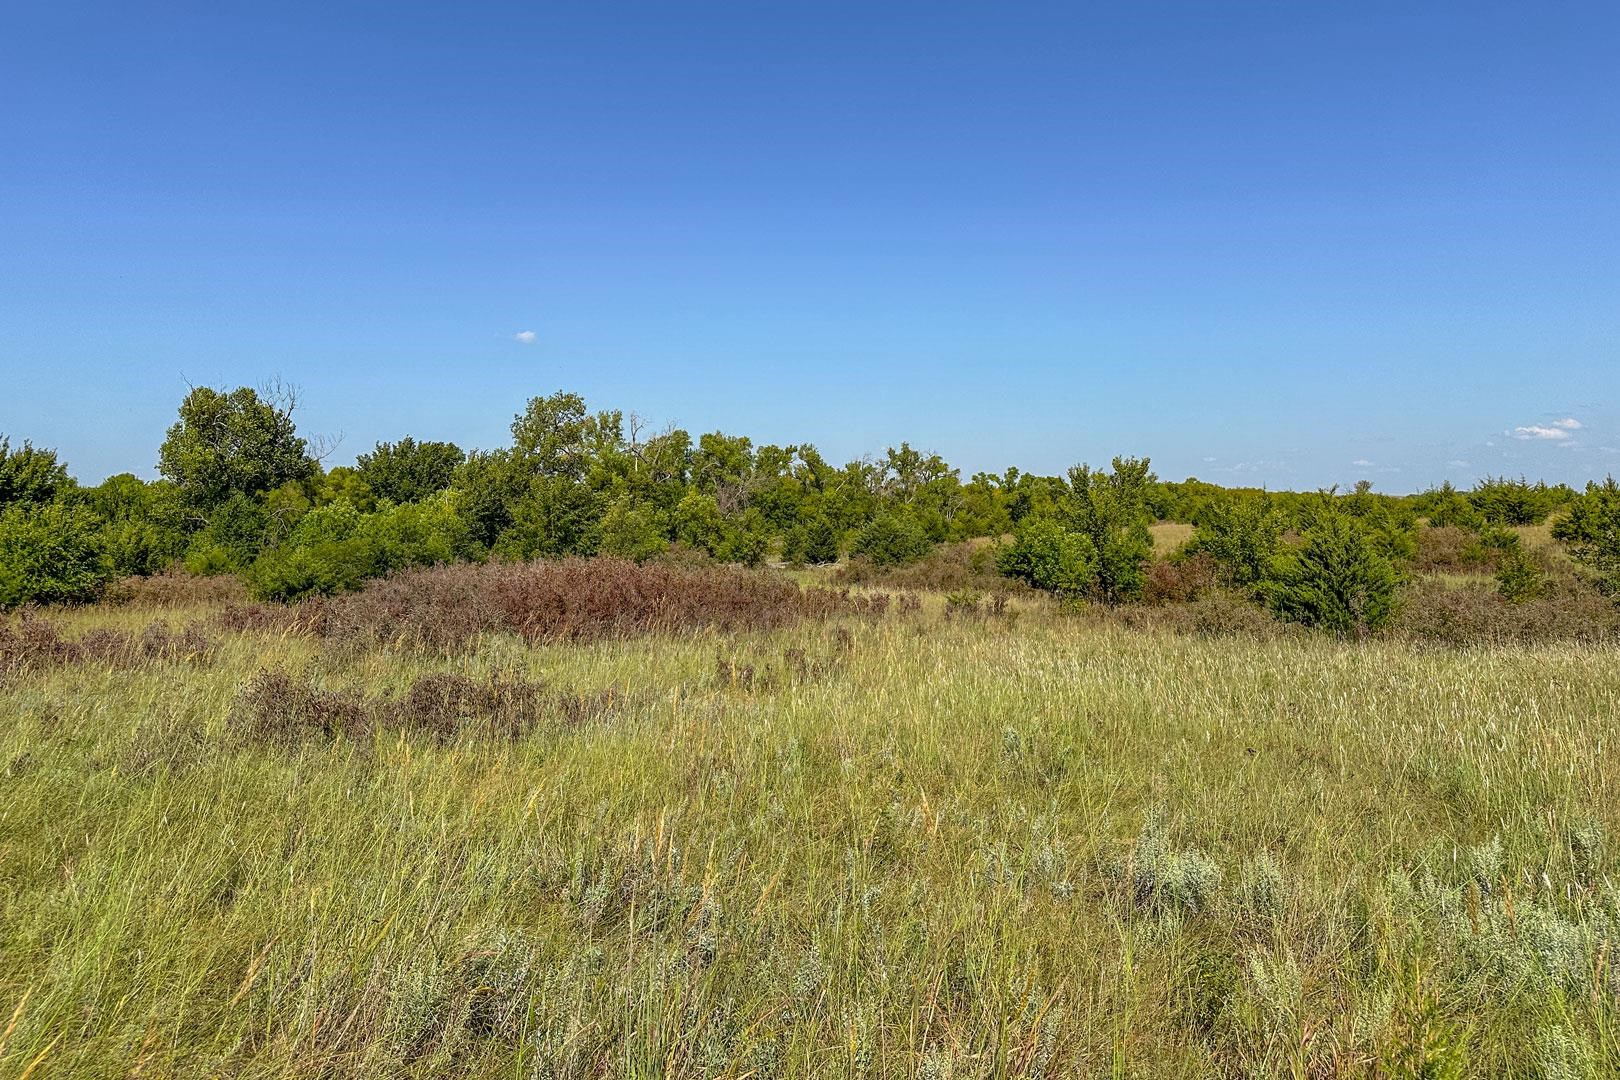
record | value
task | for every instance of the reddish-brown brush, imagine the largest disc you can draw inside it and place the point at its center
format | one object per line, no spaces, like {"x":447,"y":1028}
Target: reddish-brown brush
{"x":35,"y":644}
{"x":569,"y":599}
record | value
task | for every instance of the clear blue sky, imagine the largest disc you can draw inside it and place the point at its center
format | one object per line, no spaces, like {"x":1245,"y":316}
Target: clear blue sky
{"x":1291,"y":244}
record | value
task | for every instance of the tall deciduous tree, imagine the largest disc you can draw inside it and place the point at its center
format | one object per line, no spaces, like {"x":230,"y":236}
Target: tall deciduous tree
{"x":233,"y":444}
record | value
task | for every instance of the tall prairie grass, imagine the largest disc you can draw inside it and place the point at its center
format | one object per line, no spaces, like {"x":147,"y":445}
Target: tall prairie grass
{"x":910,"y":845}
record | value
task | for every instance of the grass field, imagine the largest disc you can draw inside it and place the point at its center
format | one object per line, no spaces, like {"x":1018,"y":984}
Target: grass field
{"x":911,"y":845}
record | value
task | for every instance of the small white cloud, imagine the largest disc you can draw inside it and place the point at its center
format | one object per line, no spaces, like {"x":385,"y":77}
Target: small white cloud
{"x":1457,"y":463}
{"x":525,"y":337}
{"x":1361,"y":463}
{"x":1540,"y":431}
{"x":1208,"y":460}
{"x":1568,"y":423}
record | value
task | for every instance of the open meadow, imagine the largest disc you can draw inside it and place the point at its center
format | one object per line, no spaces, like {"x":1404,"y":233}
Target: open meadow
{"x":716,"y":825}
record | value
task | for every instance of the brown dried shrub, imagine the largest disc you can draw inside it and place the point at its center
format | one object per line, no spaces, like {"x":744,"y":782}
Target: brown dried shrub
{"x":274,"y":708}
{"x":36,"y":644}
{"x":176,"y":588}
{"x":1474,"y":613}
{"x":569,"y":599}
{"x":278,"y":709}
{"x":1180,"y":581}
{"x":445,"y":705}
{"x":966,"y":566}
{"x":1449,"y":549}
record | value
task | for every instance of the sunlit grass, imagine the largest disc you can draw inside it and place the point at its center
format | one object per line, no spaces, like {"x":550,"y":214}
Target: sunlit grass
{"x":1036,"y":846}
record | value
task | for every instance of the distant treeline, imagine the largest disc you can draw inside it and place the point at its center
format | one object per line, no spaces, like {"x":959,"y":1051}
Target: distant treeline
{"x":242,"y":492}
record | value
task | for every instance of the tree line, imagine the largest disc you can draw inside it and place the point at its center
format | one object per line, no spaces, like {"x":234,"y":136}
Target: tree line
{"x":242,"y":492}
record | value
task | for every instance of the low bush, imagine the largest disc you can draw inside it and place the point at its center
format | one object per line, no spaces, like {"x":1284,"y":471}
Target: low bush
{"x":280,"y":709}
{"x":1179,"y":580}
{"x":891,"y":540}
{"x":1563,"y":610}
{"x":964,"y":565}
{"x":1051,"y":557}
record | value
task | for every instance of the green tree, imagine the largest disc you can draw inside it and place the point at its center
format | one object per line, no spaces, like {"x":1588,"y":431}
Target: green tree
{"x":891,"y":539}
{"x":29,"y":474}
{"x":408,"y":471}
{"x":230,"y":445}
{"x":1050,"y":557}
{"x":631,"y":531}
{"x":1501,"y":501}
{"x":1240,"y":534}
{"x":1336,"y":579}
{"x":1591,"y":530}
{"x":1111,"y":510}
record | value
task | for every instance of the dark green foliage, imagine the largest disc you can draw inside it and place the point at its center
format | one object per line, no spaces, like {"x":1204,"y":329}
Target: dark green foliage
{"x":1446,"y":506}
{"x":1240,"y":535}
{"x":50,"y":553}
{"x":891,"y":539}
{"x":143,"y":525}
{"x":1337,"y":579}
{"x":1591,"y":529}
{"x":236,"y":531}
{"x":1049,"y":556}
{"x":232,"y":445}
{"x":1501,"y":501}
{"x":407,"y":470}
{"x":814,"y":542}
{"x":30,"y":475}
{"x":337,"y":548}
{"x":1111,"y":510}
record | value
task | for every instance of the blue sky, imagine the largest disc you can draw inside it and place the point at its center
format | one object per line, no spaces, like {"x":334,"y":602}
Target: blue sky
{"x":1290,"y":244}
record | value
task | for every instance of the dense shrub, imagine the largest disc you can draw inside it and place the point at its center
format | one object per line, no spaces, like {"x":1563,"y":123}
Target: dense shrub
{"x":891,"y":539}
{"x":1336,"y":579}
{"x":50,"y":554}
{"x":1240,"y":536}
{"x":1592,"y":531}
{"x":1111,"y":510}
{"x":1051,"y":557}
{"x":337,"y":548}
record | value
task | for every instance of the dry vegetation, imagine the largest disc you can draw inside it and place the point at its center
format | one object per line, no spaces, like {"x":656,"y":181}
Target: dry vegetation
{"x":589,"y":819}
